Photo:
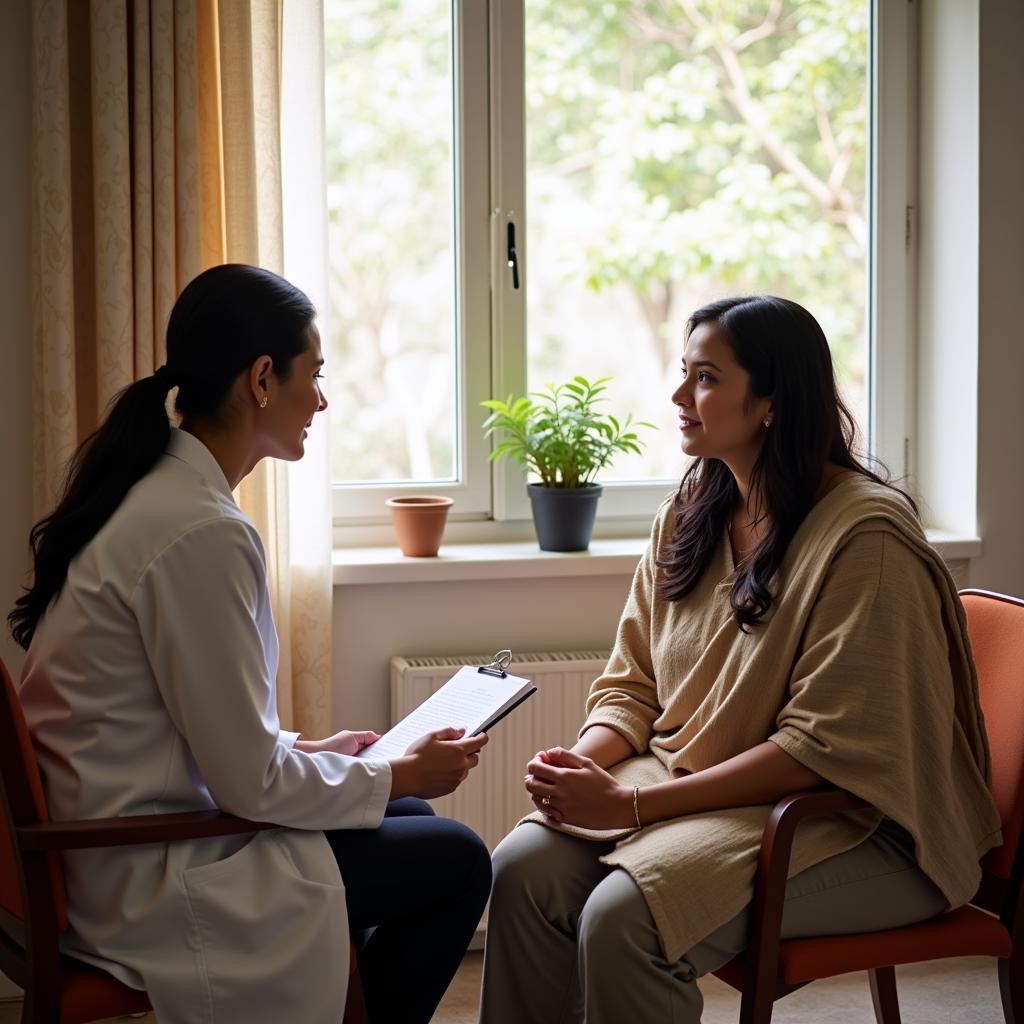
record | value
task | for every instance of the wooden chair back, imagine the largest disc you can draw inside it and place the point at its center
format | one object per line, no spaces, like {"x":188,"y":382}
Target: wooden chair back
{"x":995,"y":624}
{"x":24,"y":803}
{"x":770,"y":969}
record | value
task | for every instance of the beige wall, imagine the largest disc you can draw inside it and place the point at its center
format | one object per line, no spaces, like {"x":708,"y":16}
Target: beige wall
{"x":1000,"y":299}
{"x":373,"y":622}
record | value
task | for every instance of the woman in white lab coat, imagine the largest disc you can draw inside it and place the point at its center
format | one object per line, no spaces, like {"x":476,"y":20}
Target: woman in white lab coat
{"x":149,"y":687}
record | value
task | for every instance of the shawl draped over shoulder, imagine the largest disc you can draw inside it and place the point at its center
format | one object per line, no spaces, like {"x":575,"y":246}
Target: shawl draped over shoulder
{"x":861,"y":670}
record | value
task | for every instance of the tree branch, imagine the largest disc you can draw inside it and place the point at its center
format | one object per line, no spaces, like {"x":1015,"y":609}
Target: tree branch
{"x":652,"y":32}
{"x":738,"y":94}
{"x":657,"y":310}
{"x":692,"y":12}
{"x":828,"y":140}
{"x":765,"y":29}
{"x":829,"y":194}
{"x":839,"y":169}
{"x":574,"y":163}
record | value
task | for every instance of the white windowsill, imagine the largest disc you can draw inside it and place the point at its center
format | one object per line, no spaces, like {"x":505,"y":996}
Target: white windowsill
{"x":524,"y":560}
{"x":486,"y":561}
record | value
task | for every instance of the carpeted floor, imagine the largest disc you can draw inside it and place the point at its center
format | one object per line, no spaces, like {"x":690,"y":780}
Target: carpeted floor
{"x":953,"y":992}
{"x":962,"y":991}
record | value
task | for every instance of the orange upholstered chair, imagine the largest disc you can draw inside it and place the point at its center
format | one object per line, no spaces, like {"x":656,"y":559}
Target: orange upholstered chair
{"x":991,"y":925}
{"x":33,"y":910}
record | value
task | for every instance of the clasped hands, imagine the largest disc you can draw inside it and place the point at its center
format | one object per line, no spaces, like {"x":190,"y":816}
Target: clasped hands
{"x":571,"y":789}
{"x":565,"y":786}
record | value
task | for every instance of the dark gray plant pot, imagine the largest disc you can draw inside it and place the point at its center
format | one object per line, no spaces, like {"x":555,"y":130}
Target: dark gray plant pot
{"x":564,"y":516}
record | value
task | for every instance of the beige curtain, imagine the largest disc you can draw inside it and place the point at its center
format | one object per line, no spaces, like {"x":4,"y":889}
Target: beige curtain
{"x":157,"y":153}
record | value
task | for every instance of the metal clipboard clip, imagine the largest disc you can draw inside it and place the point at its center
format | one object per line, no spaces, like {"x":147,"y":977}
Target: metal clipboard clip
{"x":498,"y":665}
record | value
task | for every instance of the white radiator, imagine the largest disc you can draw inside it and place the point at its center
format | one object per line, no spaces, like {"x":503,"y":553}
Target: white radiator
{"x":492,"y":799}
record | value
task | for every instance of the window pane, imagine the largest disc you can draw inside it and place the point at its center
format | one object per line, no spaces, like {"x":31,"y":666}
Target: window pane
{"x":392,"y":355}
{"x":679,"y":153}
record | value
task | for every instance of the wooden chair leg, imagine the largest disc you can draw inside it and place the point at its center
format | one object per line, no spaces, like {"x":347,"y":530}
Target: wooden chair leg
{"x":355,"y":1002}
{"x":39,"y":1010}
{"x":883,"y":995}
{"x":1011,"y":986}
{"x":757,"y":1004}
{"x":42,"y":996}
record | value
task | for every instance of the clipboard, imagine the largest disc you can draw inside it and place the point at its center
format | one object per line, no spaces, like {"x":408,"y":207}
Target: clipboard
{"x":498,"y":666}
{"x":476,"y":698}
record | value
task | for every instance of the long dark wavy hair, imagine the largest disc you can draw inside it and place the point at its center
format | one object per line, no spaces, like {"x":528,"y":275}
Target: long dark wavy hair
{"x":783,"y":348}
{"x":223,"y":321}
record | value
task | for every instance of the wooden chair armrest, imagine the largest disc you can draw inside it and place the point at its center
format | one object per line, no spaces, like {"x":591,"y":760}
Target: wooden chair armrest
{"x":772,"y":874}
{"x":133,"y":830}
{"x":777,"y":840}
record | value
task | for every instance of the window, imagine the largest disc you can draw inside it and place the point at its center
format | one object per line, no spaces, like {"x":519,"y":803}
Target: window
{"x":390,"y":234}
{"x":647,"y":159}
{"x":408,"y":242}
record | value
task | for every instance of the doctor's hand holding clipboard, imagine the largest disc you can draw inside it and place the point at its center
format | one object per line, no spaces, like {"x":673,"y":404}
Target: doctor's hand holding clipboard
{"x":436,"y":745}
{"x":433,"y":765}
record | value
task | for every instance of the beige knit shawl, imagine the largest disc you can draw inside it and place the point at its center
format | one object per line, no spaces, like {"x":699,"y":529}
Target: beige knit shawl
{"x":862,"y":672}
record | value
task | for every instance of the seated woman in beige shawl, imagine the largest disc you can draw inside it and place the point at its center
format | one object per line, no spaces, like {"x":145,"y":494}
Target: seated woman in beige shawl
{"x":788,"y":626}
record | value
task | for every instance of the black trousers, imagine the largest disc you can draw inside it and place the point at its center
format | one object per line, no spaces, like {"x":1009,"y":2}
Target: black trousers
{"x":416,"y":888}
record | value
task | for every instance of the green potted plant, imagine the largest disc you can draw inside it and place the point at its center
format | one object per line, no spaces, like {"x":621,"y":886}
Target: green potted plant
{"x":559,"y":435}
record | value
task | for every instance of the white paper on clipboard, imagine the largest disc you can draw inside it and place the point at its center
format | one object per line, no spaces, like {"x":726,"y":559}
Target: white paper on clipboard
{"x":472,"y":699}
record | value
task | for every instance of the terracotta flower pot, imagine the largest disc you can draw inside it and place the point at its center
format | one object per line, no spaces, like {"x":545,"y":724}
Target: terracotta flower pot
{"x":419,"y":523}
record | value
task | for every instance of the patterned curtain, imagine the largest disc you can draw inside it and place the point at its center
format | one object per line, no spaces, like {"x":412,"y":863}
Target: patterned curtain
{"x":157,"y":153}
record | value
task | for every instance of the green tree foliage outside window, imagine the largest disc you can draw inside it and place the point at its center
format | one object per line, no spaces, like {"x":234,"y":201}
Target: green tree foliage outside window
{"x":715,"y":147}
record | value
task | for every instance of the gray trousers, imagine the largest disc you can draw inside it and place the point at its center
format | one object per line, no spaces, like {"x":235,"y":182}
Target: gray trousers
{"x":570,"y":939}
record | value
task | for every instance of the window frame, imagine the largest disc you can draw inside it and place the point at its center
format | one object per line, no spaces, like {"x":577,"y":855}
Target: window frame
{"x":489,"y":143}
{"x":892,"y":279}
{"x":363,"y":503}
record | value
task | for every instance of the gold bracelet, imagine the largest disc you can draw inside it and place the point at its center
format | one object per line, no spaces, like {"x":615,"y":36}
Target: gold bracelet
{"x":636,"y":806}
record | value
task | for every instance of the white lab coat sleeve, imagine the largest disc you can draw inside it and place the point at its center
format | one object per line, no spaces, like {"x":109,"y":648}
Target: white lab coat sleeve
{"x":203,"y":612}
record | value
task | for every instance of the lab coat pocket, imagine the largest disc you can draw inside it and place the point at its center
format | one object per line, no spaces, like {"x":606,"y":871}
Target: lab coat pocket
{"x":269,"y":931}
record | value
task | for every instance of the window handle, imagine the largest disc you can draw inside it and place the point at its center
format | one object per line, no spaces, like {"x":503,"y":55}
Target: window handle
{"x":511,"y":256}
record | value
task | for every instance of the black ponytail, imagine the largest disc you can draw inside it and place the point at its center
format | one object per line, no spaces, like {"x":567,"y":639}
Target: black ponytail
{"x":222,"y":322}
{"x":99,"y":475}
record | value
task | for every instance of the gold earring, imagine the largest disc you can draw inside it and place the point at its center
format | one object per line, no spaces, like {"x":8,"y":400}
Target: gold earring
{"x":263,"y":402}
{"x":767,"y":423}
